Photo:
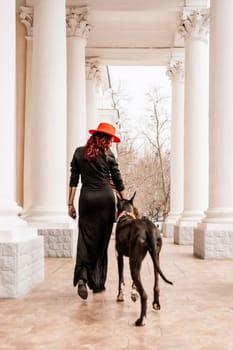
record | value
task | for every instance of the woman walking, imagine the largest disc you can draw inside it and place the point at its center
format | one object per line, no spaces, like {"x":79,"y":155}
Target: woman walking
{"x":96,"y":166}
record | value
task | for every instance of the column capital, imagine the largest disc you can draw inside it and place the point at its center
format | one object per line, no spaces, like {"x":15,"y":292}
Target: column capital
{"x":194,"y":23}
{"x":26,"y":17}
{"x":77,"y":22}
{"x":93,"y":69}
{"x":175,"y":70}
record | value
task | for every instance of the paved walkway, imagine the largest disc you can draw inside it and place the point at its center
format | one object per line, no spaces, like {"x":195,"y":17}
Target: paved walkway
{"x":196,"y":313}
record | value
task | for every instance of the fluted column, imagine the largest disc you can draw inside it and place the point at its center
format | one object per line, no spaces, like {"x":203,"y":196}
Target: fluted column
{"x":175,"y":72}
{"x":194,"y":28}
{"x":214,"y":236}
{"x":92,"y":81}
{"x":48,"y":115}
{"x":26,"y":17}
{"x":8,"y":207}
{"x":77,"y":32}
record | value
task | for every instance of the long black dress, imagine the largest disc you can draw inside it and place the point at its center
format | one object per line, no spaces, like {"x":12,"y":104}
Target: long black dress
{"x":96,"y":214}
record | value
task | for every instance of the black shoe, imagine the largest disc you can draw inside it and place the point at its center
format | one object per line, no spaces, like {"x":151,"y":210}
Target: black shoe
{"x":99,"y":290}
{"x":82,"y":289}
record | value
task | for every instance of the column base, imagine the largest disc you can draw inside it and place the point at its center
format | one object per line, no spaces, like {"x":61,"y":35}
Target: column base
{"x":59,"y":243}
{"x":184,"y":229}
{"x":11,"y":218}
{"x":168,"y":229}
{"x":57,"y":228}
{"x":22,"y":261}
{"x":45,"y":219}
{"x":183,"y":234}
{"x":212,"y":241}
{"x":169,"y":225}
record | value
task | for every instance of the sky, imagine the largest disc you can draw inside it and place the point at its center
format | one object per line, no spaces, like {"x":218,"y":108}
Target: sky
{"x":136,"y":82}
{"x":145,"y":75}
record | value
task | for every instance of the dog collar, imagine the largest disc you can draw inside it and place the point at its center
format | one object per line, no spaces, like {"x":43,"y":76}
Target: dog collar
{"x":126,"y":213}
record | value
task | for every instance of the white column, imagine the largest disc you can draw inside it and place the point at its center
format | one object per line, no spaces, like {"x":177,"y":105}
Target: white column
{"x":8,"y":206}
{"x":77,"y":31}
{"x":21,"y":251}
{"x":26,"y":16}
{"x":194,"y":28}
{"x":92,"y":81}
{"x":48,"y":119}
{"x":214,"y":236}
{"x":176,"y":74}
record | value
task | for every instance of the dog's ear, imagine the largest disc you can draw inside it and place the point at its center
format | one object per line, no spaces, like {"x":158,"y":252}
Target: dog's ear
{"x":131,"y":199}
{"x":118,"y":197}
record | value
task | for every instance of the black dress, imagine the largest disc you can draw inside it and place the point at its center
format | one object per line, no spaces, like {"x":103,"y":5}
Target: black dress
{"x":96,"y":214}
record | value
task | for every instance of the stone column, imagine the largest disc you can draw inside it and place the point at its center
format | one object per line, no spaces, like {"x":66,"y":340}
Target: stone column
{"x":176,"y":74}
{"x":77,"y":32}
{"x":92,"y":81}
{"x":46,"y":138}
{"x":213,"y":238}
{"x":194,"y":28}
{"x":48,"y":116}
{"x":8,"y":207}
{"x":26,"y":17}
{"x":21,"y":251}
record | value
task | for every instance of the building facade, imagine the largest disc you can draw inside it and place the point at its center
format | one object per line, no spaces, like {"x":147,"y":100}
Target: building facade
{"x":53,"y":57}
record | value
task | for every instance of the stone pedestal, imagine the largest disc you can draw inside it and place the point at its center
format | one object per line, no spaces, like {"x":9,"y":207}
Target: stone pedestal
{"x":183,"y":233}
{"x":213,"y":242}
{"x":168,"y":227}
{"x":59,"y":243}
{"x":21,"y":261}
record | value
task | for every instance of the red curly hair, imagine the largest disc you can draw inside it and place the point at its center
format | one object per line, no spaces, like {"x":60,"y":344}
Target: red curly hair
{"x":98,"y":141}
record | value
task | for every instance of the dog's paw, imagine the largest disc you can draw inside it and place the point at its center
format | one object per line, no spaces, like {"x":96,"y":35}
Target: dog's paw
{"x":141,"y":321}
{"x":120,"y":296}
{"x":134,"y":296}
{"x":156,"y":306}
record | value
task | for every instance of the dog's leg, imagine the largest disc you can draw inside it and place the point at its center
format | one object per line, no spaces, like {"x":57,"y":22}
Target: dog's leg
{"x":135,"y":268}
{"x":156,"y":303}
{"x":120,"y":263}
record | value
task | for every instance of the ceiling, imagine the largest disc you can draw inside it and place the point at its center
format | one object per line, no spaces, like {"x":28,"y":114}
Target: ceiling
{"x":133,"y":32}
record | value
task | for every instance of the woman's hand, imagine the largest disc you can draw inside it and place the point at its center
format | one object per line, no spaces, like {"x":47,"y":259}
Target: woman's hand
{"x":71,"y":208}
{"x":112,"y":184}
{"x":72,"y":211}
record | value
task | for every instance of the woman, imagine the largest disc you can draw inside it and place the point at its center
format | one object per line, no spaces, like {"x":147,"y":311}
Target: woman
{"x":96,"y":165}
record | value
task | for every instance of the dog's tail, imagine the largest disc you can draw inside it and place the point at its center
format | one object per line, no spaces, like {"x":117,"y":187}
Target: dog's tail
{"x":151,"y":239}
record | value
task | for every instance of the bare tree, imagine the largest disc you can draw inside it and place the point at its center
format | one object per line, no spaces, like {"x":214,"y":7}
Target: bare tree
{"x":143,"y":175}
{"x":158,"y":138}
{"x":148,"y":172}
{"x":120,"y":99}
{"x":145,"y":165}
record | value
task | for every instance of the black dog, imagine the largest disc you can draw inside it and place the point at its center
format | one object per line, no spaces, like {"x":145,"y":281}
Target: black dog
{"x":134,"y":238}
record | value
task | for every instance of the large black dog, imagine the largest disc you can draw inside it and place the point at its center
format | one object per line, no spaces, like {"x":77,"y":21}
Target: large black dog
{"x":134,"y":238}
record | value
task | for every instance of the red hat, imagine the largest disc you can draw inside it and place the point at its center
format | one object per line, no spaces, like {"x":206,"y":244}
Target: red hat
{"x":106,"y":129}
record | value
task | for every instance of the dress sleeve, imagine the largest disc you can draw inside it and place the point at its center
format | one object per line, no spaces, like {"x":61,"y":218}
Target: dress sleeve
{"x":115,"y":172}
{"x":74,"y":171}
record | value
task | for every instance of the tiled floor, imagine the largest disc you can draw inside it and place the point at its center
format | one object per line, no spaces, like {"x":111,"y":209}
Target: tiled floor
{"x":196,"y":313}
